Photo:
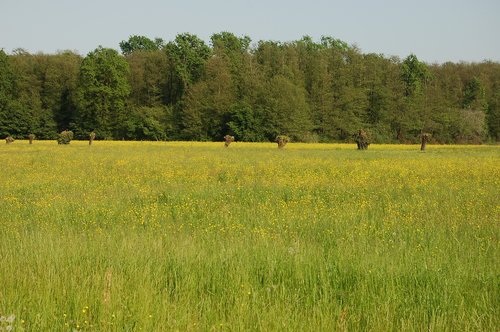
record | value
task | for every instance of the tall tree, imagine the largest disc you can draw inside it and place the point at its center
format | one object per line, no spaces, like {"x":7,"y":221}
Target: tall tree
{"x":474,"y":96}
{"x":188,"y":55}
{"x":33,"y":116}
{"x":381,"y":82}
{"x":245,"y":123}
{"x":58,"y":75}
{"x":208,"y":102}
{"x":8,"y":116}
{"x":414,"y":74}
{"x":102,"y":92}
{"x":286,"y":111}
{"x":140,"y":43}
{"x":7,"y":84}
{"x":410,"y":120}
{"x":234,"y":49}
{"x":148,"y":78}
{"x":493,"y":115}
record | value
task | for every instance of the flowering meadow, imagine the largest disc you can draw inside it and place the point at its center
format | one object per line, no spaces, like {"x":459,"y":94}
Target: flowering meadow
{"x":162,"y":236}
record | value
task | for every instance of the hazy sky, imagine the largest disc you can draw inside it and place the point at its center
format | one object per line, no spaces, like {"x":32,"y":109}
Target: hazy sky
{"x":434,"y":30}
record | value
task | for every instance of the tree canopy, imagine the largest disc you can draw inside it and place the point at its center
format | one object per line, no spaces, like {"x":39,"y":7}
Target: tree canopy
{"x":101,"y":94}
{"x":186,"y":89}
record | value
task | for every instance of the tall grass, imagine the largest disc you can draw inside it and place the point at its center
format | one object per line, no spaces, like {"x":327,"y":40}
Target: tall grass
{"x":125,"y":236}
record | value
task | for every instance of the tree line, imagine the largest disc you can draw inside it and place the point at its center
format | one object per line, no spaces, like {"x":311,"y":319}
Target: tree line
{"x":186,"y":89}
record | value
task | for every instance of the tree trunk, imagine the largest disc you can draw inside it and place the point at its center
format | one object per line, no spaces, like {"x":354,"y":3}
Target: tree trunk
{"x":425,"y":138}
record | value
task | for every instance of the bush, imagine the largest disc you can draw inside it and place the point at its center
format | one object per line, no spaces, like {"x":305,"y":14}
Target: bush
{"x":65,"y":137}
{"x":91,"y":137}
{"x":282,"y":140}
{"x":228,"y":139}
{"x":362,"y":139}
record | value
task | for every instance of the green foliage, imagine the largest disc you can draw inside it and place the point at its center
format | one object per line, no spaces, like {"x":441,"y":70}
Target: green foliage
{"x":245,"y":123}
{"x":59,"y":78}
{"x":29,"y":111}
{"x":148,"y":78}
{"x":208,"y":102}
{"x":474,"y":96}
{"x":230,"y":43}
{"x":102,"y":91}
{"x":65,"y":137}
{"x":147,"y":123}
{"x":7,"y":80}
{"x":16,"y":119}
{"x":186,"y":90}
{"x":493,"y":116}
{"x":286,"y":110}
{"x":334,"y":43}
{"x":409,"y":120}
{"x":10,"y":119}
{"x":140,"y":43}
{"x":414,"y":74}
{"x":471,"y":127}
{"x":187,"y":54}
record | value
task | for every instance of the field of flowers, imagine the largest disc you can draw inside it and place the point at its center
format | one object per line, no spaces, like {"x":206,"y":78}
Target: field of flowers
{"x":160,"y":236}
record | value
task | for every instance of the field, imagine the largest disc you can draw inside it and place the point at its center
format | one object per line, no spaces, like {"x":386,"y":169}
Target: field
{"x":156,"y":236}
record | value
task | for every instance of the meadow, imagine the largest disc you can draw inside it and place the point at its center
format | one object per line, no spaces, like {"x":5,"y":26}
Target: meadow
{"x":165,"y":236}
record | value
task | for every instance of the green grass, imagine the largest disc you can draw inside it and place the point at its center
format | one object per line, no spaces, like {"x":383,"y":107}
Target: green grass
{"x":125,"y":236}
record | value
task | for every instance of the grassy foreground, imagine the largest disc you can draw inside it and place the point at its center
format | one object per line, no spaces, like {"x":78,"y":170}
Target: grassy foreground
{"x":131,"y":236}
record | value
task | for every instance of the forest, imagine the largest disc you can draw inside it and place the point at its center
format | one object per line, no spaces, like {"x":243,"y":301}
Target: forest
{"x":188,"y":89}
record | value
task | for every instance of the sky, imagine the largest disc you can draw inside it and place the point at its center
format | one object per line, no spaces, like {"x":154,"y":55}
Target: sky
{"x":436,"y":31}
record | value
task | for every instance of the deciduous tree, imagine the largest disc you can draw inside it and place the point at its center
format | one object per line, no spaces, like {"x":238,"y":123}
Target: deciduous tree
{"x":102,"y":92}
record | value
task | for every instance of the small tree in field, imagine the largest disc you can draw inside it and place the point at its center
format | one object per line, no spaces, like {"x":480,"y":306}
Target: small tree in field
{"x":9,"y":139}
{"x":362,"y":139}
{"x":228,"y":140}
{"x":425,"y":138}
{"x":91,"y":138}
{"x":65,"y":137}
{"x":31,"y":137}
{"x":282,"y":140}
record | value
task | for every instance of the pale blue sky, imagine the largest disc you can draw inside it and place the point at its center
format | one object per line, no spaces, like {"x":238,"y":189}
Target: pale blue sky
{"x":436,"y":31}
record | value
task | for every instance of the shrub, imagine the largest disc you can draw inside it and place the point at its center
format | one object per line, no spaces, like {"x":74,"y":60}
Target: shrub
{"x":362,"y":139}
{"x":91,"y":137}
{"x":228,"y":140}
{"x":425,"y":138}
{"x":282,"y":140}
{"x":65,"y":137}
